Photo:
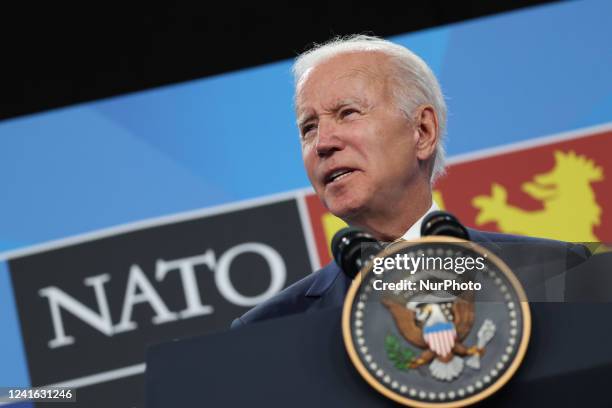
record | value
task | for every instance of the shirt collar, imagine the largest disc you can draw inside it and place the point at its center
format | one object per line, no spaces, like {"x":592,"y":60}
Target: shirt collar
{"x":414,"y":232}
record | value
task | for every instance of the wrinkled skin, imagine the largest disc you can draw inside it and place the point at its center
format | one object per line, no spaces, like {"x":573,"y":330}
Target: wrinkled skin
{"x":349,"y":121}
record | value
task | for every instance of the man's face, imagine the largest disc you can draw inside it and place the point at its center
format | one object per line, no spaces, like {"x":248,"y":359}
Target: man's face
{"x":358,"y":147}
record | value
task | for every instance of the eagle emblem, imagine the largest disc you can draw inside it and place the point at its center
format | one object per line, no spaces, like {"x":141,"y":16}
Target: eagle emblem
{"x":426,"y":336}
{"x":439,"y":329}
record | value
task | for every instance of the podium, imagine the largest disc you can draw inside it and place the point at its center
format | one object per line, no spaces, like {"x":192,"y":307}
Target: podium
{"x":300,"y":361}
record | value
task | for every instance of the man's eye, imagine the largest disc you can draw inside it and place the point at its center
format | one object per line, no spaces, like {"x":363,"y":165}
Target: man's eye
{"x":306,"y":129}
{"x":347,"y":112}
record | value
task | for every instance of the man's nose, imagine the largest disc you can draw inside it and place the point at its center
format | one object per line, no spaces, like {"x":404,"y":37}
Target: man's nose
{"x":329,"y":139}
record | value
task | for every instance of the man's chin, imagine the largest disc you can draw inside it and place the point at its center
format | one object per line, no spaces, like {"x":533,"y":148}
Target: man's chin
{"x":345,"y":210}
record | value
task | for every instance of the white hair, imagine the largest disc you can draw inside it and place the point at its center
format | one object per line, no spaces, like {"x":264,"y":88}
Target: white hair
{"x":416,"y":84}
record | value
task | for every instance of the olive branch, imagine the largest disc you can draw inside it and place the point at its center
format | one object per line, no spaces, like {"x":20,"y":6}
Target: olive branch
{"x":400,"y":356}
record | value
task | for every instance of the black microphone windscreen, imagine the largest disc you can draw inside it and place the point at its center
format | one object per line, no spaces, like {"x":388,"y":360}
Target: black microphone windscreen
{"x":351,"y":247}
{"x":443,"y":223}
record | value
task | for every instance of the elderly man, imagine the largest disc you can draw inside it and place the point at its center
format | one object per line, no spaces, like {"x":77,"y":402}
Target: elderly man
{"x":371,"y":118}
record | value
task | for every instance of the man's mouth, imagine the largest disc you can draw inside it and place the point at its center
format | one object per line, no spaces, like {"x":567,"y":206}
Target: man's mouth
{"x":337,"y":175}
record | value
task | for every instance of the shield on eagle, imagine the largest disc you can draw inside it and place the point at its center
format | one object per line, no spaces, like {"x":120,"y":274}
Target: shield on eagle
{"x":440,"y":337}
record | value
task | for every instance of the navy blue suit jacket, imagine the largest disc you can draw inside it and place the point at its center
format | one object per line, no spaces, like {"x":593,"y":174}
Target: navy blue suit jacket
{"x":535,"y":261}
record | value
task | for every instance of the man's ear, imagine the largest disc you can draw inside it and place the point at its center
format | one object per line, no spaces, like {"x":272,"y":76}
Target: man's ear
{"x":426,"y":123}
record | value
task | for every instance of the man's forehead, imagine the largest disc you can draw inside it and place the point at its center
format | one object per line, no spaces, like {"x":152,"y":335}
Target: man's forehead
{"x":332,"y":75}
{"x":363,"y":64}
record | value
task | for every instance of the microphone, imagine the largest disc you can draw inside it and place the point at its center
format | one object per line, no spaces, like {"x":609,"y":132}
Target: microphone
{"x":443,"y":223}
{"x":352,"y":248}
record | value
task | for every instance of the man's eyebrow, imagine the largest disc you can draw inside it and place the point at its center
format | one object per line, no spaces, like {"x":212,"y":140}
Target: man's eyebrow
{"x":341,"y":103}
{"x":334,"y":107}
{"x":305,"y":117}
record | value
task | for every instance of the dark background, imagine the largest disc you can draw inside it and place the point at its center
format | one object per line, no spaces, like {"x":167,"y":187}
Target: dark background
{"x":66,"y":268}
{"x":54,"y":55}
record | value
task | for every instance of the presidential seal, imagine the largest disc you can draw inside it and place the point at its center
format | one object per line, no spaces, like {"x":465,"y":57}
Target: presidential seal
{"x":438,"y":322}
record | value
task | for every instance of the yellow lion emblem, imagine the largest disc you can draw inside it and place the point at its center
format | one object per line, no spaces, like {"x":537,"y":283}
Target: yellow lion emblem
{"x":570,"y":209}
